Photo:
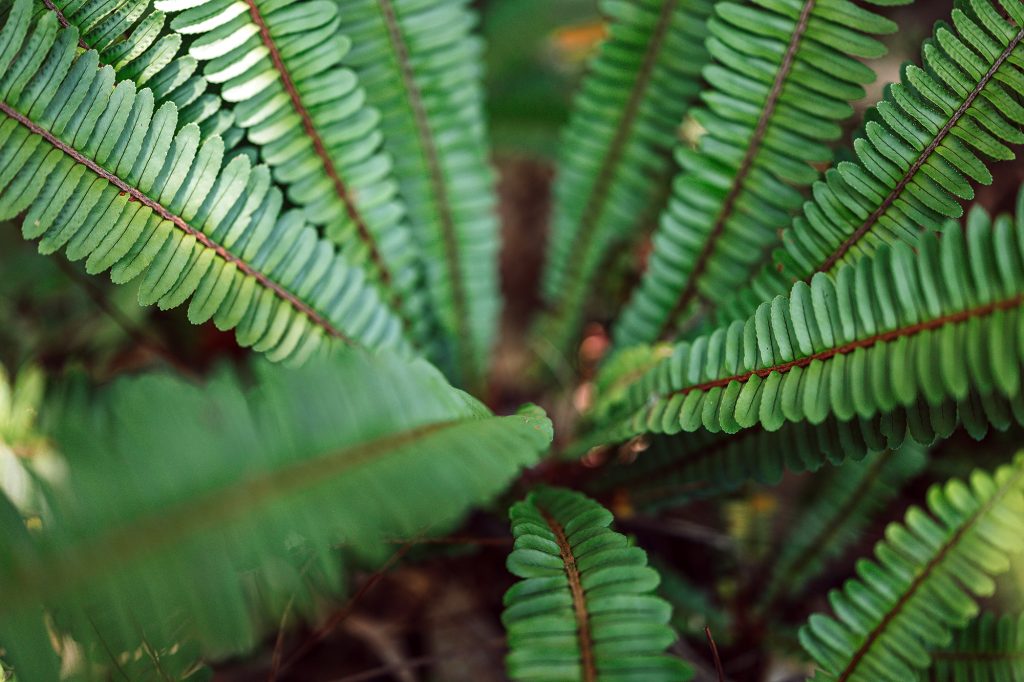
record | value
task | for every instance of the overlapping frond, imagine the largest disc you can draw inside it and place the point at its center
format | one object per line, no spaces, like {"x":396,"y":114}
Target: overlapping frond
{"x":421,"y":67}
{"x":923,"y":146}
{"x":615,"y":153}
{"x":923,"y":581}
{"x":130,"y":36}
{"x":901,"y":341}
{"x":782,"y":78}
{"x":989,"y":649}
{"x":283,"y":65}
{"x":99,"y":170}
{"x":584,"y":609}
{"x":196,"y":513}
{"x":844,"y":501}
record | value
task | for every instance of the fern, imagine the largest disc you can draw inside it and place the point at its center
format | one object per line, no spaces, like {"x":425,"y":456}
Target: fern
{"x":923,"y":582}
{"x":855,"y":354}
{"x":307,"y":114}
{"x":615,"y":153}
{"x":421,"y":69}
{"x":97,"y":171}
{"x":989,"y":649}
{"x":131,"y":38}
{"x":583,"y":610}
{"x":844,"y":500}
{"x":782,"y":77}
{"x":922,"y":147}
{"x":156,"y":523}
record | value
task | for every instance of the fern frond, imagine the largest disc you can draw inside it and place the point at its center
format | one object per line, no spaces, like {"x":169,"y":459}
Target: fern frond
{"x":615,"y":153}
{"x":783,"y":76}
{"x":989,"y":649}
{"x":844,"y":500}
{"x":923,"y":581}
{"x":923,"y":146}
{"x":197,"y":512}
{"x":902,"y":340}
{"x":584,"y":609}
{"x":421,"y":67}
{"x":283,"y":66}
{"x":130,"y":37}
{"x":99,"y":170}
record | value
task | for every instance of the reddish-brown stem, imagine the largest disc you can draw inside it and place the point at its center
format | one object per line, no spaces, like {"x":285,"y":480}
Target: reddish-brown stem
{"x":63,"y":21}
{"x":137,"y":195}
{"x":746,"y":165}
{"x":922,"y":158}
{"x":579,"y":602}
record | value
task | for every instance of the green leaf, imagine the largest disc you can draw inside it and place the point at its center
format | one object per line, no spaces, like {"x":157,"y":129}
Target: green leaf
{"x":197,"y":512}
{"x":923,"y":581}
{"x":583,"y":609}
{"x":100,"y":170}
{"x":990,"y":648}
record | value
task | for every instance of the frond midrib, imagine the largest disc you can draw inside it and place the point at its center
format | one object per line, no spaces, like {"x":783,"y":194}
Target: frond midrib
{"x":690,"y":290}
{"x":340,"y":188}
{"x":150,"y":533}
{"x":922,"y":158}
{"x":464,"y":336}
{"x":579,"y":600}
{"x":180,"y":223}
{"x":925,"y":573}
{"x":64,"y":21}
{"x":598,"y":197}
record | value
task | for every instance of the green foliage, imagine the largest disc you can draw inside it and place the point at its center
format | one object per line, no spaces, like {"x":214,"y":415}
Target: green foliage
{"x":421,"y":68}
{"x":903,"y":341}
{"x":197,"y":513}
{"x":614,"y":157}
{"x":584,"y":609}
{"x":843,"y":501}
{"x":132,"y":38}
{"x":781,"y":80}
{"x":921,"y":148}
{"x":989,"y":649}
{"x":99,"y":170}
{"x":923,"y":581}
{"x":283,"y":67}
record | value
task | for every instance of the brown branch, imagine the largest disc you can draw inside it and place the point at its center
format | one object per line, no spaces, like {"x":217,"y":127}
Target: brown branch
{"x":464,"y":337}
{"x":925,"y":573}
{"x":137,"y":195}
{"x":746,"y":165}
{"x":597,"y":197}
{"x":318,"y":145}
{"x":832,"y":260}
{"x":579,"y":602}
{"x":714,"y":654}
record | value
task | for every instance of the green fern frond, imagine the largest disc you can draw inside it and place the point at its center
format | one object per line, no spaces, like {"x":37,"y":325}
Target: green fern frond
{"x":782,"y":78}
{"x":283,"y":66}
{"x":615,"y":154}
{"x":989,"y":649}
{"x":923,"y":581}
{"x":99,"y":170}
{"x":130,"y":37}
{"x":197,"y":512}
{"x":844,"y":500}
{"x":901,"y":341}
{"x":923,"y":146}
{"x":421,"y":67}
{"x":584,"y":609}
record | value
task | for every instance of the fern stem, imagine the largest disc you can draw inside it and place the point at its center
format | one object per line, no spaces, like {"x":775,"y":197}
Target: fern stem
{"x":63,"y":21}
{"x":321,"y":151}
{"x":597,"y":200}
{"x":891,"y":335}
{"x":925,"y":573}
{"x":579,"y":602}
{"x":181,"y":224}
{"x":746,"y":165}
{"x":922,"y":158}
{"x":442,"y":202}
